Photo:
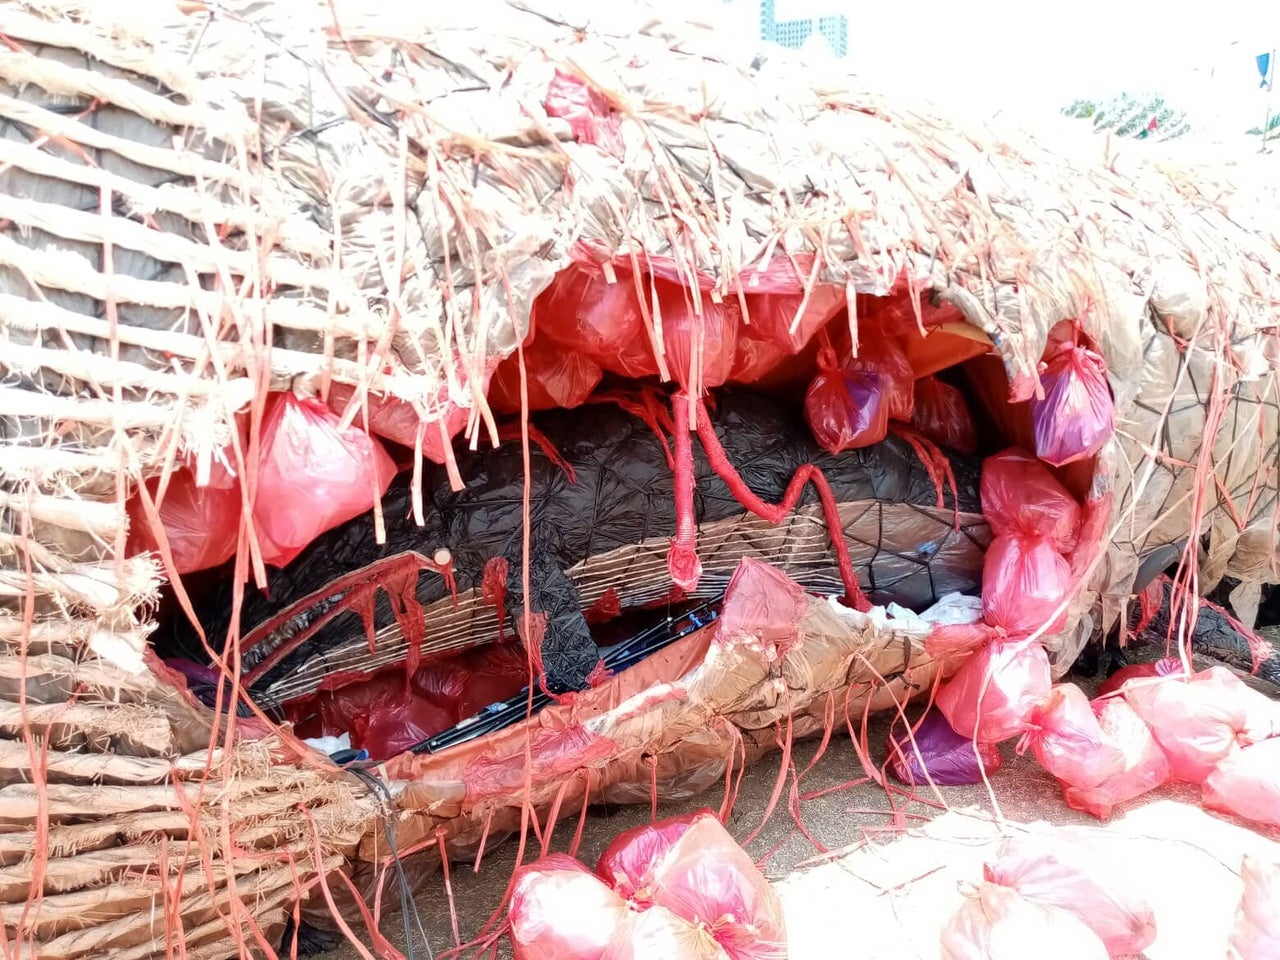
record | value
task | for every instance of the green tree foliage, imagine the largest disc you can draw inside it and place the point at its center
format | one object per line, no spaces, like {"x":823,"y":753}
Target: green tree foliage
{"x":1130,"y":116}
{"x":1273,"y":130}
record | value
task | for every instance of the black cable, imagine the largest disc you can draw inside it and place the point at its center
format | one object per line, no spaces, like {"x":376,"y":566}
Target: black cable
{"x":408,"y":904}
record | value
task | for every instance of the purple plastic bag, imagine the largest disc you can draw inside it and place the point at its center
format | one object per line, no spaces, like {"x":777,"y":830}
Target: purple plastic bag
{"x":1077,"y":415}
{"x":948,"y":757}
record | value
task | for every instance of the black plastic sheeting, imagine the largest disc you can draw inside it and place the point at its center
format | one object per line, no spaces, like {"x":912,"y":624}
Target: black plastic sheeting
{"x":623,"y":495}
{"x":1214,"y":637}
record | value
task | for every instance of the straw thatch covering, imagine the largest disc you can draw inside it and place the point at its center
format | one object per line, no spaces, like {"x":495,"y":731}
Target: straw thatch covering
{"x":199,"y":201}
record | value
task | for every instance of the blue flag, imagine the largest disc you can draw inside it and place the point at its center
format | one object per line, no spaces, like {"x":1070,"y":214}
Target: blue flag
{"x":1264,"y":67}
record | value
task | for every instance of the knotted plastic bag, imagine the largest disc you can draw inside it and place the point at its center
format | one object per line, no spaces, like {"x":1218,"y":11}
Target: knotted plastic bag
{"x":312,"y":476}
{"x":658,"y":934}
{"x":935,"y":752}
{"x":1068,"y":741}
{"x":996,"y":691}
{"x":763,"y":607}
{"x":1024,"y":581}
{"x":998,"y":924}
{"x":1068,"y":869}
{"x":846,"y":410}
{"x":1145,"y":766}
{"x":1022,"y":497}
{"x":1246,"y":783}
{"x":885,"y":357}
{"x":942,"y":415}
{"x":561,"y":911}
{"x":1257,"y":929}
{"x":1077,"y":415}
{"x":586,"y":313}
{"x":1198,"y":721}
{"x":628,"y":862}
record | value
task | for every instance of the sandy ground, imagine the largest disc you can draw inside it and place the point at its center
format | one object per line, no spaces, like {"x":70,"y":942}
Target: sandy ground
{"x":892,"y":877}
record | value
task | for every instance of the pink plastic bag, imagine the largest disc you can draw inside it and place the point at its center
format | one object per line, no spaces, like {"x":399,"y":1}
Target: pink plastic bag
{"x":592,"y":119}
{"x":1145,"y":765}
{"x":706,"y":877}
{"x":996,"y":691}
{"x":1020,"y":496}
{"x":628,"y":862}
{"x":762,"y":606}
{"x":1077,"y":415}
{"x":1068,"y":741}
{"x":1067,"y":869}
{"x":311,"y":475}
{"x":658,"y":934}
{"x":1199,"y":721}
{"x":202,"y":524}
{"x":998,"y":924}
{"x":1257,"y":931}
{"x":1168,"y":666}
{"x":938,"y":754}
{"x":1024,"y":581}
{"x":1246,"y":783}
{"x":846,"y":411}
{"x":554,"y":377}
{"x":942,"y":415}
{"x":561,"y":911}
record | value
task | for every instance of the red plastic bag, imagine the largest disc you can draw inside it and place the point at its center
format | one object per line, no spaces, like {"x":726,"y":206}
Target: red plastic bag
{"x":996,"y":691}
{"x":561,"y":911}
{"x":1145,"y":766}
{"x":710,"y":341}
{"x":1246,"y":783}
{"x":1077,"y":415}
{"x":202,"y":524}
{"x":583,"y":311}
{"x":1257,"y":931}
{"x":658,"y":934}
{"x":1068,"y":741}
{"x":628,"y":863}
{"x":998,"y":924}
{"x":554,"y":377}
{"x":942,"y":415}
{"x":1168,"y":666}
{"x":846,"y":411}
{"x":767,"y":340}
{"x":762,"y":607}
{"x":399,"y":422}
{"x":1199,"y":721}
{"x":381,"y":715}
{"x":1067,"y":869}
{"x":311,"y":475}
{"x":1021,"y":497}
{"x":938,"y":754}
{"x":1024,"y":581}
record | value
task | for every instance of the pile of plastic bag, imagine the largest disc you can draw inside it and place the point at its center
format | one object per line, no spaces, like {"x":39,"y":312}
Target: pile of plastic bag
{"x":1026,"y":576}
{"x":1053,"y":895}
{"x":312,"y":476}
{"x":681,"y":889}
{"x":385,"y":715}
